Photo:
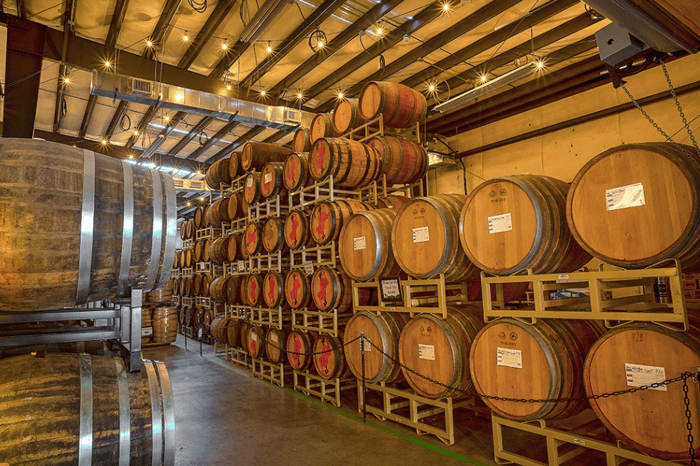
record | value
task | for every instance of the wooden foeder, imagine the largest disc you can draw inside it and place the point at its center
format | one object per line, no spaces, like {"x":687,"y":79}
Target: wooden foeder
{"x":329,"y":357}
{"x":350,"y":163}
{"x":41,"y":397}
{"x":299,"y":347}
{"x":63,"y":237}
{"x":425,"y":239}
{"x":541,"y":361}
{"x":346,"y":115}
{"x":382,"y":331}
{"x":365,"y":247}
{"x":296,"y":171}
{"x":405,"y":161}
{"x":652,"y":421}
{"x":517,"y":222}
{"x":439,"y":349}
{"x":399,"y":105}
{"x":638,"y":204}
{"x":328,"y":218}
{"x":256,"y":154}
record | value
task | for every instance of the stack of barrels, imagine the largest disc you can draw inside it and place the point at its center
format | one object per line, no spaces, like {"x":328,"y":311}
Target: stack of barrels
{"x":160,"y":314}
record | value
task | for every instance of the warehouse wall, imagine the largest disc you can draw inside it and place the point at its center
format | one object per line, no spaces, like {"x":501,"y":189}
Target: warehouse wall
{"x":562,"y":153}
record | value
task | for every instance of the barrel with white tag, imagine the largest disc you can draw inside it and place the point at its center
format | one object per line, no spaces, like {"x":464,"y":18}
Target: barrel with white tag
{"x":519,"y":222}
{"x":79,"y":226}
{"x":636,"y":205}
{"x":634,"y":355}
{"x":542,"y":361}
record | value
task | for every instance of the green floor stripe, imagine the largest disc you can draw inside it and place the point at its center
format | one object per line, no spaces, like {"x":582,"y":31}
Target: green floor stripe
{"x":355,"y":418}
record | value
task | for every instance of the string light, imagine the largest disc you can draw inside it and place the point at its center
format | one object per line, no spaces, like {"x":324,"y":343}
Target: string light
{"x":340,"y":94}
{"x":320,"y":45}
{"x":104,"y":142}
{"x":185,"y":38}
{"x":224,"y":46}
{"x":431,"y":88}
{"x":483,"y":78}
{"x":149,"y":43}
{"x":66,"y":80}
{"x":269,"y":49}
{"x":445,"y":7}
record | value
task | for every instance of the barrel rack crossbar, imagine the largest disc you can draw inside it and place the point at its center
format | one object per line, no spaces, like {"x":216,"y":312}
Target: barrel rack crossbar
{"x":235,"y":186}
{"x":273,"y":317}
{"x":266,"y":209}
{"x":235,"y":226}
{"x":324,"y":190}
{"x":326,"y":390}
{"x":274,"y":262}
{"x":238,"y":356}
{"x":419,"y":408}
{"x":274,"y":373}
{"x":564,"y":445}
{"x":118,"y":320}
{"x":318,"y":321}
{"x":318,"y":256}
{"x":615,"y":295}
{"x":207,"y":233}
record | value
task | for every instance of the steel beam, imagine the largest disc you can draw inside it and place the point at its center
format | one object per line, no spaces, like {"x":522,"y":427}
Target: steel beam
{"x":143,"y":124}
{"x":87,"y":115}
{"x":222,"y":9}
{"x":196,"y":129}
{"x":212,"y":140}
{"x":250,"y":134}
{"x":118,"y":113}
{"x":166,"y":16}
{"x":116,"y":24}
{"x":164,"y":133}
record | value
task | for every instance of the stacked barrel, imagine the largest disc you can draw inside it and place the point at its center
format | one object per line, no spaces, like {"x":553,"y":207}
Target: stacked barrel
{"x":160,"y":316}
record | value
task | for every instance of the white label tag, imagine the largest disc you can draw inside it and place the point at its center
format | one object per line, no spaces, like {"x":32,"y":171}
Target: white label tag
{"x":367,"y":344}
{"x":625,"y":197}
{"x":249,"y":182}
{"x":146,"y":331}
{"x":390,"y":288}
{"x":509,"y":358}
{"x":421,"y":235}
{"x":254,"y":336}
{"x":199,"y":334}
{"x":274,"y":337}
{"x":426,"y":352}
{"x":308,"y":267}
{"x":268,"y":177}
{"x":359,"y":243}
{"x":241,"y":266}
{"x":500,"y":223}
{"x":638,"y":375}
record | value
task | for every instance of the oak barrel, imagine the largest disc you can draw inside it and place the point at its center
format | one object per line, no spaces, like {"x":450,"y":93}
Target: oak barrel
{"x":296,"y":171}
{"x":346,"y":115}
{"x":243,"y":335}
{"x":322,"y":127}
{"x":225,"y":290}
{"x":331,"y":289}
{"x":253,"y":289}
{"x":302,"y":140}
{"x":328,"y":218}
{"x":165,"y":320}
{"x":256,"y":154}
{"x":199,"y":217}
{"x":251,"y":188}
{"x":235,"y":246}
{"x":365,"y":248}
{"x":399,"y":105}
{"x":405,"y":162}
{"x":273,"y":289}
{"x":329,"y":357}
{"x":637,"y":205}
{"x":217,"y":213}
{"x":273,"y":235}
{"x":297,"y":229}
{"x":425,"y":239}
{"x":392,"y":202}
{"x":516,"y":222}
{"x":218,"y":250}
{"x":382,"y":331}
{"x":272,"y":180}
{"x":351,"y":163}
{"x":651,"y":421}
{"x":297,"y":290}
{"x":256,"y":341}
{"x":275,"y":340}
{"x":439,"y":349}
{"x":253,"y":238}
{"x":299,"y":347}
{"x":218,"y":174}
{"x":40,"y":397}
{"x":233,"y":333}
{"x":234,"y":166}
{"x":539,"y":361}
{"x":68,"y":207}
{"x":219,"y":327}
{"x":237,"y":207}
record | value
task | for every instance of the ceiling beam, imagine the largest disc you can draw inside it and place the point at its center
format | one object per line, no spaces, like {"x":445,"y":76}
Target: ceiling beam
{"x":62,"y":69}
{"x":230,"y":56}
{"x":486,"y":42}
{"x":196,"y":129}
{"x":163,"y":135}
{"x":372,"y":16}
{"x":250,"y":134}
{"x":275,"y":137}
{"x":141,"y":127}
{"x":166,"y":16}
{"x":320,"y":14}
{"x":118,"y":113}
{"x":222,"y":9}
{"x":429,"y":13}
{"x":223,"y":132}
{"x":115,"y":26}
{"x":479,"y":17}
{"x":87,"y":115}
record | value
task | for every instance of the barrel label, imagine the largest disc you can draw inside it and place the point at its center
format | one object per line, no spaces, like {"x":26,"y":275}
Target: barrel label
{"x":509,"y":358}
{"x":426,"y":352}
{"x":146,"y":331}
{"x":421,"y":235}
{"x":241,"y":266}
{"x":359,"y":243}
{"x":500,"y":223}
{"x":254,"y":336}
{"x":308,"y":267}
{"x":249,"y":182}
{"x":367,"y":343}
{"x":274,"y":337}
{"x":639,"y":375}
{"x":625,"y":197}
{"x":391,"y":289}
{"x":268,"y":178}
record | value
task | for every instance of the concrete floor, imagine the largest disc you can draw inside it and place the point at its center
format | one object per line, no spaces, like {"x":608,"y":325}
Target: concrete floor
{"x":225,"y":417}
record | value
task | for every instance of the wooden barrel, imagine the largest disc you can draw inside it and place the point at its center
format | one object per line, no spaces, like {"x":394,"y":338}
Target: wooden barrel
{"x":346,"y":115}
{"x":637,"y":205}
{"x":198,"y":252}
{"x":242,"y":295}
{"x":439,"y":349}
{"x":297,"y":230}
{"x":425,"y":240}
{"x":331,"y":289}
{"x":640,"y":354}
{"x":517,"y":222}
{"x":274,"y":344}
{"x":539,"y":361}
{"x":329,"y":357}
{"x":199,"y":217}
{"x":66,"y":205}
{"x":219,"y":327}
{"x":207,"y":319}
{"x":511,"y":291}
{"x":302,"y":140}
{"x":253,"y":289}
{"x":273,"y":235}
{"x":218,"y":250}
{"x":191,"y":228}
{"x":273,"y":290}
{"x":218,"y":174}
{"x":158,"y":296}
{"x":176,"y":261}
{"x":256,"y":341}
{"x":165,"y":324}
{"x":392,"y":202}
{"x":296,"y":171}
{"x":237,"y":207}
{"x":186,"y":287}
{"x":243,"y":335}
{"x":272,"y":180}
{"x":233,"y":333}
{"x":328,"y":218}
{"x":175,"y":286}
{"x":189,"y":258}
{"x":183,"y":230}
{"x":234,"y":166}
{"x":41,"y":398}
{"x":350,"y":163}
{"x":322,"y":127}
{"x":365,"y":248}
{"x":256,"y":154}
{"x":299,"y":348}
{"x":198,"y":317}
{"x":405,"y":162}
{"x":202,"y":281}
{"x":382,"y":331}
{"x":225,"y":290}
{"x":217,"y":213}
{"x":189,"y":317}
{"x":399,"y":105}
{"x":253,"y":238}
{"x":251,"y":188}
{"x":234,"y":247}
{"x":297,"y":290}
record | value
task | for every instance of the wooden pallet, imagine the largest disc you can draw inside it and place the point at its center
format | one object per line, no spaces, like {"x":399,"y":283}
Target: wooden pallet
{"x":275,"y":373}
{"x":326,"y":390}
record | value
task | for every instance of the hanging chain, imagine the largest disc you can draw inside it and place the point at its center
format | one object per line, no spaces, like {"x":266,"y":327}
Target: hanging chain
{"x":678,"y":105}
{"x":689,"y":425}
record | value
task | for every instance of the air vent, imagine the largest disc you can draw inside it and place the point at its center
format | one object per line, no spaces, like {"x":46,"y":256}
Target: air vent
{"x":292,"y":116}
{"x":142,"y":87}
{"x":190,"y":185}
